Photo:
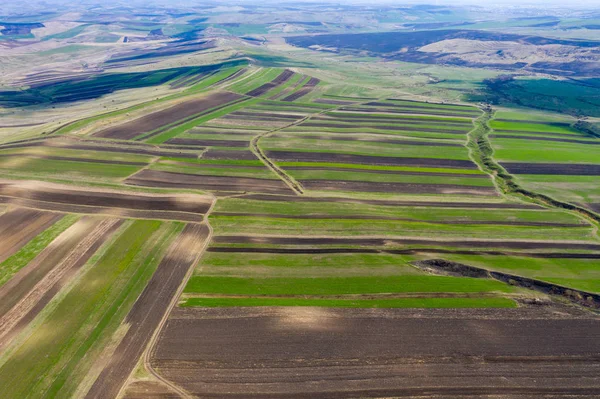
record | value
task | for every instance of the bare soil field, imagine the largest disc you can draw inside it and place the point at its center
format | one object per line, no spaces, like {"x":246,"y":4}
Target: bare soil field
{"x":209,"y":143}
{"x":225,"y":154}
{"x":385,"y":127}
{"x":278,"y":81}
{"x":258,"y":115}
{"x":148,"y":311}
{"x":374,"y":217}
{"x":106,"y":199}
{"x":32,"y":288}
{"x":374,"y":187}
{"x":409,"y":251}
{"x":439,"y":204}
{"x":97,"y":145}
{"x":148,"y":123}
{"x":565,"y":169}
{"x":389,"y":172}
{"x":350,"y":353}
{"x":378,"y":140}
{"x":155,"y":178}
{"x":297,"y":156}
{"x":20,"y":225}
{"x":149,"y":390}
{"x":307,"y":88}
{"x":405,"y":241}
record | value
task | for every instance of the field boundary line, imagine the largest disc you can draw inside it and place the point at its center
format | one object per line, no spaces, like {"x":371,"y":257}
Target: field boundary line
{"x":154,"y":339}
{"x":287,"y":179}
{"x":482,"y":153}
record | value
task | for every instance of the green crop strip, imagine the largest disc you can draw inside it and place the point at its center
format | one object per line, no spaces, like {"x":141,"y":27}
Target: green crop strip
{"x":70,"y":336}
{"x":494,"y":302}
{"x":28,"y":252}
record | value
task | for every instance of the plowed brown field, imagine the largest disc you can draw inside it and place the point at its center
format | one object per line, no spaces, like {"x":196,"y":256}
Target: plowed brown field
{"x":351,"y":353}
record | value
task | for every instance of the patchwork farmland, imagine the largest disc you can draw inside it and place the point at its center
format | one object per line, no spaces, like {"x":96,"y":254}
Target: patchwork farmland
{"x":252,"y":219}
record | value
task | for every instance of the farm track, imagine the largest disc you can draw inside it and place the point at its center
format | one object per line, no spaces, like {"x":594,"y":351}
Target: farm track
{"x":155,"y":302}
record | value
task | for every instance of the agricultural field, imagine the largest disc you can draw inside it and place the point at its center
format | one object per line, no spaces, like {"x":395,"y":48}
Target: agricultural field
{"x":310,"y":201}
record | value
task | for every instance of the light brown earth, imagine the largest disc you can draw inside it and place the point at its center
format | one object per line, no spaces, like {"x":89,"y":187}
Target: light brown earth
{"x":61,"y":194}
{"x":148,"y":123}
{"x":155,"y":178}
{"x":374,"y":353}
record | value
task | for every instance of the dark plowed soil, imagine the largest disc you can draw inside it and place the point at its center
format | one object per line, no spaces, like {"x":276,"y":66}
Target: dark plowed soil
{"x":307,"y":88}
{"x":310,"y":241}
{"x":538,"y":138}
{"x":375,"y":187}
{"x":154,"y":178}
{"x":35,"y":281}
{"x":19,"y":226}
{"x":149,"y":390}
{"x":149,"y":309}
{"x":333,"y":102}
{"x":351,"y":353}
{"x":565,"y":169}
{"x":209,"y":143}
{"x":388,"y":172}
{"x":307,"y":251}
{"x":405,"y":111}
{"x":379,"y":140}
{"x":468,"y":205}
{"x":192,"y":204}
{"x":432,"y":110}
{"x":384,"y":127}
{"x":278,"y":81}
{"x":231,"y":77}
{"x":546,"y":134}
{"x":148,"y":123}
{"x":235,"y":155}
{"x":295,"y":156}
{"x":347,"y":117}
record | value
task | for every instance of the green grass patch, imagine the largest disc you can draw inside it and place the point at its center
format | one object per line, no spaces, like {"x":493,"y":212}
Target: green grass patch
{"x":29,"y":251}
{"x":57,"y":355}
{"x":494,"y":302}
{"x":72,"y":169}
{"x":351,"y":166}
